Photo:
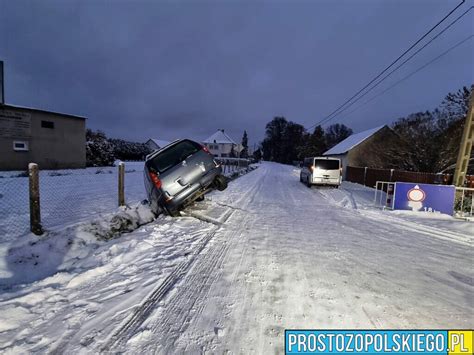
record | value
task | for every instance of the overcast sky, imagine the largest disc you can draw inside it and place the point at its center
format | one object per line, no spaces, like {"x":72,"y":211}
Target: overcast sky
{"x":153,"y":69}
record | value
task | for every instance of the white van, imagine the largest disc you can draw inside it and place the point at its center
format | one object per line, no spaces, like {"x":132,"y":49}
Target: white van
{"x":321,"y":171}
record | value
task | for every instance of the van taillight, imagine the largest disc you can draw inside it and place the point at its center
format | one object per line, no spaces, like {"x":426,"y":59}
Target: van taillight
{"x":155,"y":179}
{"x":205,"y":149}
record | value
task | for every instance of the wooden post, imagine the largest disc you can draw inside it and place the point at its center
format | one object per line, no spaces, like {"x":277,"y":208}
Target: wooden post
{"x":121,"y":184}
{"x":35,"y":210}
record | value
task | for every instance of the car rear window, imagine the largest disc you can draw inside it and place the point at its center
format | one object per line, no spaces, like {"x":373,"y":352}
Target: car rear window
{"x":326,"y":164}
{"x":174,"y":155}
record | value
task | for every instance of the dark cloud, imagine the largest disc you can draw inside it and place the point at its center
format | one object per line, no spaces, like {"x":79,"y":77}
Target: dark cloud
{"x":141,"y":69}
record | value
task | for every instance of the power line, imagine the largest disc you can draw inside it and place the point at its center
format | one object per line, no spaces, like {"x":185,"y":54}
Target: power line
{"x":413,"y":73}
{"x":396,"y":60}
{"x":396,"y":68}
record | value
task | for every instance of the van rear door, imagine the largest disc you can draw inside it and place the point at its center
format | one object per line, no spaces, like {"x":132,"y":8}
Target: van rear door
{"x":327,"y":170}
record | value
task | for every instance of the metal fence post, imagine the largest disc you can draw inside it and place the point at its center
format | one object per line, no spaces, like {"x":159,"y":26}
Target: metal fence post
{"x":365,"y":175}
{"x":35,"y":210}
{"x":121,"y":184}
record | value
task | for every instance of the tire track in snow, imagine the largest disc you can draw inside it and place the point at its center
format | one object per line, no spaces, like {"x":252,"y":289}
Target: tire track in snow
{"x":191,"y":297}
{"x":132,"y":324}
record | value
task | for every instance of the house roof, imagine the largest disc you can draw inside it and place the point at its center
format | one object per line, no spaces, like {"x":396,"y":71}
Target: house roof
{"x":352,"y":141}
{"x":8,"y":106}
{"x":219,"y":137}
{"x":159,"y":142}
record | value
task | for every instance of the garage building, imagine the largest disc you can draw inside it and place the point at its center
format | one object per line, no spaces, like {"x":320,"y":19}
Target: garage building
{"x":378,"y":147}
{"x":50,"y":139}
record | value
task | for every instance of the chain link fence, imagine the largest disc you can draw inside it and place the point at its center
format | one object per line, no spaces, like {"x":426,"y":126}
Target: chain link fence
{"x":66,"y":196}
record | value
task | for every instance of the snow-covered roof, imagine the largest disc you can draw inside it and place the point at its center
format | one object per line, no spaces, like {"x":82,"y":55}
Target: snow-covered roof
{"x":7,"y":106}
{"x":219,"y":137}
{"x":160,"y":143}
{"x":351,"y":141}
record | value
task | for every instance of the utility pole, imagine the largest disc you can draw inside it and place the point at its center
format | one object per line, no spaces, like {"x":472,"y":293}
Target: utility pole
{"x":466,"y":146}
{"x":2,"y":85}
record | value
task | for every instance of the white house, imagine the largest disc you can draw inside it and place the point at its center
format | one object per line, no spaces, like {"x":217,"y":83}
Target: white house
{"x":221,"y":145}
{"x":155,"y":144}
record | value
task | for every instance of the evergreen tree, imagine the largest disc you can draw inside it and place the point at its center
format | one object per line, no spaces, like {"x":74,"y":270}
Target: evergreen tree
{"x":315,"y":143}
{"x":245,"y":146}
{"x":257,"y":155}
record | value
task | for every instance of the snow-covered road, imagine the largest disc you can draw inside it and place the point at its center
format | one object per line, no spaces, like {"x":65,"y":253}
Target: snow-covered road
{"x":277,"y":255}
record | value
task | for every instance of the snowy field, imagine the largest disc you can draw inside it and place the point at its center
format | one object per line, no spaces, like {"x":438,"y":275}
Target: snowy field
{"x":265,"y":255}
{"x":67,"y":196}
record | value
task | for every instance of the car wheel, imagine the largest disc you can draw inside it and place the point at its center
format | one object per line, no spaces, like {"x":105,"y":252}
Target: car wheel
{"x":220,"y":182}
{"x":308,"y":183}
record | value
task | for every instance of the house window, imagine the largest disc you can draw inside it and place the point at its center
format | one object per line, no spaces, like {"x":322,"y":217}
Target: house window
{"x":47,"y":124}
{"x":20,"y":146}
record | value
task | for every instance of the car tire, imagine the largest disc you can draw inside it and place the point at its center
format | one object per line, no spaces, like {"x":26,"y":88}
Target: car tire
{"x":308,"y":183}
{"x":220,"y":182}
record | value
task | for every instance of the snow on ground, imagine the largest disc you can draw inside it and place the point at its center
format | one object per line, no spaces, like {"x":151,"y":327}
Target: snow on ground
{"x":67,"y":196}
{"x":276,"y":255}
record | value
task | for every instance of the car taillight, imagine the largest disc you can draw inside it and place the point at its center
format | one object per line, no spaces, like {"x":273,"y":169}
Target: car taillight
{"x":311,"y":168}
{"x":155,"y":179}
{"x":205,"y":149}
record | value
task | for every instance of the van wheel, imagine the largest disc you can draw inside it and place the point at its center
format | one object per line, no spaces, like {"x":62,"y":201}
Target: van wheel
{"x":220,"y":182}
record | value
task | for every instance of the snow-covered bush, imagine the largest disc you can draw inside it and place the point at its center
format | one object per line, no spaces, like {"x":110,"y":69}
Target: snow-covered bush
{"x":99,"y":151}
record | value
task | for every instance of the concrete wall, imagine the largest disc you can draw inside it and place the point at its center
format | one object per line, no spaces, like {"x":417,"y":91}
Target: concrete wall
{"x":60,"y":147}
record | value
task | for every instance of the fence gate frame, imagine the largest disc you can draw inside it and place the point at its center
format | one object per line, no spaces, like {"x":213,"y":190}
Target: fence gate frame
{"x":388,"y":203}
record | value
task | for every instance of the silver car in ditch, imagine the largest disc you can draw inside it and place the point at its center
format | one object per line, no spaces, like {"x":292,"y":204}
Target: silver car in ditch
{"x":179,"y":174}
